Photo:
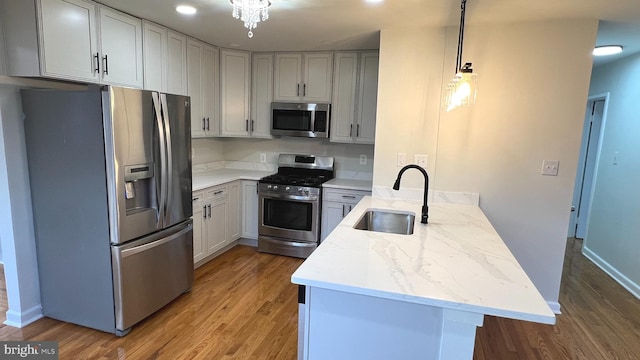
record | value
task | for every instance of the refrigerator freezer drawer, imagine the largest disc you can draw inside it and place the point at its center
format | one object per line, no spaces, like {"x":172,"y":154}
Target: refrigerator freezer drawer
{"x":151,"y":272}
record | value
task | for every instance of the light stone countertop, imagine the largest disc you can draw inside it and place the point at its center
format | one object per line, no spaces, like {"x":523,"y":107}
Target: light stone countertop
{"x":348,"y":184}
{"x":456,"y":261}
{"x":203,"y":180}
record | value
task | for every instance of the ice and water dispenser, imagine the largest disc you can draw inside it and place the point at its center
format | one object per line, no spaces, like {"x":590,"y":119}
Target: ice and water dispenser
{"x":140,"y":188}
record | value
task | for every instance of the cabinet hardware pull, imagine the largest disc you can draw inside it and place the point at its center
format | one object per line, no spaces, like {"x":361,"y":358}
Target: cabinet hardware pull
{"x":298,"y":90}
{"x":97,"y":69}
{"x":196,"y":198}
{"x":204,"y":212}
{"x":209,"y":206}
{"x":348,"y":197}
{"x":350,"y":130}
{"x":304,"y":90}
{"x":106,"y":65}
{"x":358,"y":130}
{"x":246,"y":125}
{"x":252,"y":125}
{"x":218,"y":192}
{"x":204,"y":126}
{"x":208,"y":124}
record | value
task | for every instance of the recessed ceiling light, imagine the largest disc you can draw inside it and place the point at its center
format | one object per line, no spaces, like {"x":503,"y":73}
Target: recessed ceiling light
{"x":607,"y":50}
{"x":373,"y":1}
{"x":186,"y":9}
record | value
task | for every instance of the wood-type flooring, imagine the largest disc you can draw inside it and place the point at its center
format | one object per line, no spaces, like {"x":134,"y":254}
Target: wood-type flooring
{"x":243,"y":306}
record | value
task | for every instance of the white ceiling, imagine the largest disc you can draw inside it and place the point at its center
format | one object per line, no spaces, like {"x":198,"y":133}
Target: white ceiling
{"x":304,"y":25}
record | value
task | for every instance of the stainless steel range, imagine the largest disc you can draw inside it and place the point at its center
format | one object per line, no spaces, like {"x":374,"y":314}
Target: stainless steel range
{"x":289,"y":205}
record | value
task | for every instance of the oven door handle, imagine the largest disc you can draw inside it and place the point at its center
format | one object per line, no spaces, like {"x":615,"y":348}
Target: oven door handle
{"x":306,"y":198}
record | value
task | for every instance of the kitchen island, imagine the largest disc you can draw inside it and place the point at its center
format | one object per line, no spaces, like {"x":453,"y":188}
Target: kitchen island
{"x":374,"y":295}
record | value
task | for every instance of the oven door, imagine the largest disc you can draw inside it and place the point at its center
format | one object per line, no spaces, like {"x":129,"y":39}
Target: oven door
{"x":289,"y":216}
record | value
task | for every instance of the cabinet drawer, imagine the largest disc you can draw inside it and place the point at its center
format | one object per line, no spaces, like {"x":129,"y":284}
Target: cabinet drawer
{"x":218,"y":193}
{"x":344,"y":196}
{"x":198,"y":199}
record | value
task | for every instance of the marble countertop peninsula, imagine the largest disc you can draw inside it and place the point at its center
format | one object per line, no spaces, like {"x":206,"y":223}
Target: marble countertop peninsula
{"x":457,"y":261}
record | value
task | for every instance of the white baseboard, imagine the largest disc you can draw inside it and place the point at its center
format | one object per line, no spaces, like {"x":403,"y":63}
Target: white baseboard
{"x":619,"y":277}
{"x":25,"y":318}
{"x":555,"y":307}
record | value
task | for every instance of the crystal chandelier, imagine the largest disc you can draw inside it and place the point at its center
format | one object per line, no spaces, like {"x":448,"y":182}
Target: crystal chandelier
{"x":461,"y":91}
{"x":251,"y":12}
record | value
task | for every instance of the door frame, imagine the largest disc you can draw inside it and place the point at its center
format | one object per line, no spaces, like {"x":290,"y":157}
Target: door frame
{"x":580,"y":171}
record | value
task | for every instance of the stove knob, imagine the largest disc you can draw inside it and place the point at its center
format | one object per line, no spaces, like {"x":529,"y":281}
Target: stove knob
{"x":268,"y":187}
{"x":300,"y":190}
{"x":275,"y":187}
{"x":287,"y":188}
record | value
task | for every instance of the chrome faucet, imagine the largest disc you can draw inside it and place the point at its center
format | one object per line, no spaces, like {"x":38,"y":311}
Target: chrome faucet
{"x":396,"y":186}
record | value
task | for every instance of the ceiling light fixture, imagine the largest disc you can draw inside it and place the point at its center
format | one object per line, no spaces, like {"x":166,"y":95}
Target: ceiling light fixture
{"x":186,"y":9}
{"x":251,"y":12}
{"x":607,"y":50}
{"x":461,"y":90}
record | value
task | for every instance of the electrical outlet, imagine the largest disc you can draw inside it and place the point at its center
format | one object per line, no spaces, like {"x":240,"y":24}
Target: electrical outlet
{"x":263,"y":158}
{"x":550,"y":167}
{"x":363,"y":159}
{"x":402,"y":159}
{"x":421,"y":160}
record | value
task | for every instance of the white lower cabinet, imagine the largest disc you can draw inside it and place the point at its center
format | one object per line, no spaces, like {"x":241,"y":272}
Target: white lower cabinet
{"x":336,"y":204}
{"x":216,"y":219}
{"x":250,"y":209}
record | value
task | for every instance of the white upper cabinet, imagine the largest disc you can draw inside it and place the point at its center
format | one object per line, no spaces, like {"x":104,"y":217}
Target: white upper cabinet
{"x":235,"y":82}
{"x":261,"y":95}
{"x":165,"y":59}
{"x":121,"y":48}
{"x":73,"y":40}
{"x":355,"y":92}
{"x":176,"y":63}
{"x":303,"y":77}
{"x":210,"y":89}
{"x":69,"y":49}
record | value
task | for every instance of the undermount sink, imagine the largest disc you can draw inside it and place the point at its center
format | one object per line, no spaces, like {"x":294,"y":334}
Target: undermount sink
{"x":395,"y":222}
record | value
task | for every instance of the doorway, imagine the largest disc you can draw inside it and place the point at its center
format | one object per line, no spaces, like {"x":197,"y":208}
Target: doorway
{"x":585,"y":174}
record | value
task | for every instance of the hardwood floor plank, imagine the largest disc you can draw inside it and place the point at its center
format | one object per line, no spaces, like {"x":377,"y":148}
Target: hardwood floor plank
{"x":243,"y":306}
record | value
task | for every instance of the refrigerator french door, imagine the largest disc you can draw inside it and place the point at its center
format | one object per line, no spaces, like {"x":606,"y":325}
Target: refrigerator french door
{"x":110,"y":175}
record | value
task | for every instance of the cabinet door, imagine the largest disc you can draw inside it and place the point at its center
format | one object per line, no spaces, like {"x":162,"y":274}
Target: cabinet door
{"x":234,"y":93}
{"x":194,"y":86}
{"x":261,"y":95}
{"x":199,"y":227}
{"x":68,"y":48}
{"x":209,"y":89}
{"x":332,"y":214}
{"x":368,"y":99}
{"x":288,"y":77}
{"x":154,"y":56}
{"x":216,"y":227}
{"x":233,"y":215}
{"x":176,"y":63}
{"x":121,"y":48}
{"x":318,"y":71}
{"x":250,"y":209}
{"x":344,"y":97}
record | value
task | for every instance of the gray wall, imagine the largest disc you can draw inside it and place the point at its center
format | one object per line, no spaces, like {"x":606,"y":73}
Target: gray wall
{"x":614,"y":229}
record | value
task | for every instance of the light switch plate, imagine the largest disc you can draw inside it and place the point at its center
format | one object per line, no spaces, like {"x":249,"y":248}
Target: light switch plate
{"x":421,"y":160}
{"x":550,"y":167}
{"x":263,"y":158}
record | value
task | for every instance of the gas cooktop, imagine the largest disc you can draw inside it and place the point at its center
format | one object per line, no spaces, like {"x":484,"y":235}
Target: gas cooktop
{"x":301,"y":170}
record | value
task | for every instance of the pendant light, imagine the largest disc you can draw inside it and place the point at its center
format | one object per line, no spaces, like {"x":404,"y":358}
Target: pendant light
{"x":461,"y":90}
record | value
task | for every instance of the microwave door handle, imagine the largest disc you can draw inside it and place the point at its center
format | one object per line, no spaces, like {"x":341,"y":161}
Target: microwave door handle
{"x":313,"y":122}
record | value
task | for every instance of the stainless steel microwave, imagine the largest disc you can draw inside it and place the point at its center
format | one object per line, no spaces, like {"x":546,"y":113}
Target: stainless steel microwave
{"x":300,"y":119}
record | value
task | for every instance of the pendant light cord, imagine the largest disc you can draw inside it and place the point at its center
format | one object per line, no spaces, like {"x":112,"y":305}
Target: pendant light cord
{"x":463,"y":9}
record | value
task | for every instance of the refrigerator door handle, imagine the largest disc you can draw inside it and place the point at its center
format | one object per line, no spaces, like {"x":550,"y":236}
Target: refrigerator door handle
{"x":163,"y":160}
{"x":168,"y":165}
{"x":140,"y":248}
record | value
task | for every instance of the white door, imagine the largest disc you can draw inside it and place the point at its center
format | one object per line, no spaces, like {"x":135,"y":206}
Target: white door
{"x":287,"y":77}
{"x":209,"y":94}
{"x":121,"y":48}
{"x":154,"y":55}
{"x":235,"y":88}
{"x":586,"y":168}
{"x":318,"y":71}
{"x":176,"y":63}
{"x":69,"y":48}
{"x":261,"y":95}
{"x":194,"y":86}
{"x":344,"y":97}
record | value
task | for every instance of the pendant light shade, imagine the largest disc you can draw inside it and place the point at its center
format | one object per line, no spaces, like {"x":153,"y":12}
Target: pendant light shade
{"x":461,"y":90}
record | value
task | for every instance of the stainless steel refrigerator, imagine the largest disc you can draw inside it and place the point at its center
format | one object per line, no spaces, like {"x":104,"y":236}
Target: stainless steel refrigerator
{"x":110,"y":175}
